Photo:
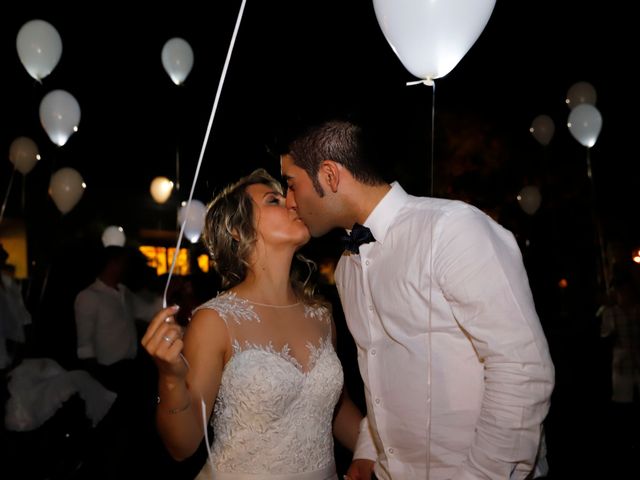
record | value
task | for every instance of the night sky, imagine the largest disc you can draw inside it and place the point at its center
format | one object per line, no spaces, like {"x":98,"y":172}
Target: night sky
{"x":295,"y":61}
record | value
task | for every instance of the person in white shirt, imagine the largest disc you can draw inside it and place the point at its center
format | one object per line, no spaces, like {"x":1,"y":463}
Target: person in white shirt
{"x":107,"y":338}
{"x":455,"y":364}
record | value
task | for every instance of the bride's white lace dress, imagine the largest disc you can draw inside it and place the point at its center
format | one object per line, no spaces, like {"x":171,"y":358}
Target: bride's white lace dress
{"x":273,"y":414}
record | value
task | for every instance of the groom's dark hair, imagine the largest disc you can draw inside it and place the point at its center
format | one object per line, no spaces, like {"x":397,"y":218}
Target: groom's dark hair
{"x":338,"y":140}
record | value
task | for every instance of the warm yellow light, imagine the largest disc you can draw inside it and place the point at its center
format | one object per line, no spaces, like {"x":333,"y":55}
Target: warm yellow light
{"x":636,"y":258}
{"x":563,"y":283}
{"x":161,"y":258}
{"x":161,"y":188}
{"x":203,"y":263}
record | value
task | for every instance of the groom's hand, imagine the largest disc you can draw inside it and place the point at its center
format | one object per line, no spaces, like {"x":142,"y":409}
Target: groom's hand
{"x":360,"y":469}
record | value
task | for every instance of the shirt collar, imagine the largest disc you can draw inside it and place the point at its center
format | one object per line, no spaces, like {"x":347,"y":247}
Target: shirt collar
{"x":383,"y":214}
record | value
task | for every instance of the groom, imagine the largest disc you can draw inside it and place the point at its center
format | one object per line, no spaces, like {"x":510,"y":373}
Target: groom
{"x":455,"y":364}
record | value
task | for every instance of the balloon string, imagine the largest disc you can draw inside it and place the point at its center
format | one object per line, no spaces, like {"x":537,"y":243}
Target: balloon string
{"x":598,"y":225}
{"x":430,"y":83}
{"x":204,"y":146}
{"x":433,"y":122}
{"x":6,"y":197}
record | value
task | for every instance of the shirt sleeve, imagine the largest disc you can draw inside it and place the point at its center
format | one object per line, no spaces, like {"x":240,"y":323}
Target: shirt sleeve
{"x":86,"y":317}
{"x":365,"y":447}
{"x":479,"y":267}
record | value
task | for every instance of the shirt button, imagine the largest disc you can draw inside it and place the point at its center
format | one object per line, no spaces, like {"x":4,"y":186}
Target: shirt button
{"x":391,"y":451}
{"x":371,"y":308}
{"x":373,"y":351}
{"x":367,"y":263}
{"x":377,"y":401}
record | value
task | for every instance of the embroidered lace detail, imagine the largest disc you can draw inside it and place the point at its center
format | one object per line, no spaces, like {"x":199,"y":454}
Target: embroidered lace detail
{"x":271,"y":416}
{"x":230,"y":306}
{"x":285,"y":352}
{"x":317,"y":312}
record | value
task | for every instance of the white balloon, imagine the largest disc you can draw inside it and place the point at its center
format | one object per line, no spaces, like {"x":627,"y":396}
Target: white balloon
{"x":177,"y":59}
{"x":161,"y":188}
{"x":113,"y":235}
{"x":193,"y":218}
{"x":542,"y":128}
{"x":39,"y":48}
{"x":431,"y":36}
{"x":579,"y":93}
{"x":59,"y":115}
{"x":66,"y":188}
{"x":529,"y":199}
{"x":585,"y":123}
{"x":24,"y":154}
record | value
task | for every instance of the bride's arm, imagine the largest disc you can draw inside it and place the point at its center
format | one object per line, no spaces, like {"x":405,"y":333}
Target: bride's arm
{"x":205,"y":347}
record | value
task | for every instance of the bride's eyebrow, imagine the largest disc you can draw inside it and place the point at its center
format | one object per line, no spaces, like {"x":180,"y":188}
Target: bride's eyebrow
{"x":272,"y":192}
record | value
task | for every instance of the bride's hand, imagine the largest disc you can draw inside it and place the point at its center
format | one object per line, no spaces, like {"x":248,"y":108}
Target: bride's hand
{"x":163,"y":341}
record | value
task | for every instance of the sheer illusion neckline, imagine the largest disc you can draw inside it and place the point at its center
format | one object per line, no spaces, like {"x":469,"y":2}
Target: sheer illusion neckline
{"x":284,"y":354}
{"x":272,"y":306}
{"x":239,"y":297}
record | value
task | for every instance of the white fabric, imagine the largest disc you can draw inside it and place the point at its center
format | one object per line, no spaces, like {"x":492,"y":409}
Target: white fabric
{"x":327,"y":473}
{"x":105,"y":324}
{"x":273,"y":415}
{"x":446,"y":264}
{"x":39,"y":386}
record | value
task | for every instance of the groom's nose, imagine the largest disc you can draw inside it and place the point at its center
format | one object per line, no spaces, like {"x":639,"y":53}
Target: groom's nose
{"x":290,"y":200}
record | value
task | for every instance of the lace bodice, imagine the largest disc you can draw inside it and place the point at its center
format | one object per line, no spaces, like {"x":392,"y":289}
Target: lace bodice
{"x":274,"y":409}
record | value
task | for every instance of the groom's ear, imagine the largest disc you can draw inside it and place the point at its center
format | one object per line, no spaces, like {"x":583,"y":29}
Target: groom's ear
{"x":329,"y":173}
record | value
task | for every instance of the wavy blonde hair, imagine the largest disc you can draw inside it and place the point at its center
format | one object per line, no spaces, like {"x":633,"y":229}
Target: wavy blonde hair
{"x":230,"y":235}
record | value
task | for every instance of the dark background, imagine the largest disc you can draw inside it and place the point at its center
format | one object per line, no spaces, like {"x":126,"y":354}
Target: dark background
{"x":298,"y":60}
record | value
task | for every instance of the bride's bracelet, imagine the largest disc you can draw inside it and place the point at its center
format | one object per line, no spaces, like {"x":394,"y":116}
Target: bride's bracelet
{"x":173,"y":411}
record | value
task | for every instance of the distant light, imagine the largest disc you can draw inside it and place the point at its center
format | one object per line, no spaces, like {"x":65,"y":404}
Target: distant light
{"x":161,"y":188}
{"x":563,"y":283}
{"x":203,"y":262}
{"x":84,"y":185}
{"x":75,"y":128}
{"x":636,"y":258}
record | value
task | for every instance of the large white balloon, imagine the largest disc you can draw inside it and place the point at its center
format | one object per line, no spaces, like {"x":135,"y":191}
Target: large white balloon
{"x":431,"y":36}
{"x":177,"y":59}
{"x":39,"y":48}
{"x":24,"y":154}
{"x":529,"y":199}
{"x":542,"y":128}
{"x":59,"y":115}
{"x":193,"y":217}
{"x":585,"y":123}
{"x":66,"y":188}
{"x":579,"y":93}
{"x":113,"y":235}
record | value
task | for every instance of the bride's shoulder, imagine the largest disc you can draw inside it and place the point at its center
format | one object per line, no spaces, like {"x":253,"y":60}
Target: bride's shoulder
{"x":229,"y":307}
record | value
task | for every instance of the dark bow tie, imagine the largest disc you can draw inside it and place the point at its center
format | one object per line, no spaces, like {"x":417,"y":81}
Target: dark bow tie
{"x":359,"y":235}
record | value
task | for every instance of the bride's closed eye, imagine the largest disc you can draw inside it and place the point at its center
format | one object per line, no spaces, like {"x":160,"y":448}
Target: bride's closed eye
{"x":275,"y":199}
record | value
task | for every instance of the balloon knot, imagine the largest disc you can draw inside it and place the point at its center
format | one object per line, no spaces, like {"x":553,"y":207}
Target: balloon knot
{"x":427,"y":81}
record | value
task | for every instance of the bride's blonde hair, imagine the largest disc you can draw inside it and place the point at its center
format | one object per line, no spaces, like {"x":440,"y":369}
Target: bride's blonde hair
{"x":230,"y":235}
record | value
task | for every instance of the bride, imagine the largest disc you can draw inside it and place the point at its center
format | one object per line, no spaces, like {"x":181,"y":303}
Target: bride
{"x":258,"y":360}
